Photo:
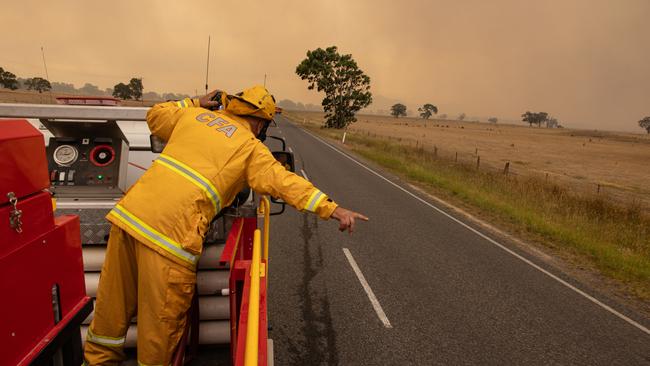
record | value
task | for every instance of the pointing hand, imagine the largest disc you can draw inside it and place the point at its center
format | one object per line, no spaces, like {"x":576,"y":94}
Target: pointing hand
{"x":346,"y":218}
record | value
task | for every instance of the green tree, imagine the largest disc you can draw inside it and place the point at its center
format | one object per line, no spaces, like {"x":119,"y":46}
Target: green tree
{"x":529,"y":117}
{"x":39,"y":84}
{"x":645,"y":123}
{"x":461,"y":116}
{"x":534,"y":118}
{"x":428,"y":110}
{"x":346,"y":87}
{"x":136,"y":88}
{"x":493,"y":120}
{"x":8,"y":79}
{"x":122,"y":91}
{"x":541,"y":118}
{"x":397,"y":110}
{"x":551,"y":122}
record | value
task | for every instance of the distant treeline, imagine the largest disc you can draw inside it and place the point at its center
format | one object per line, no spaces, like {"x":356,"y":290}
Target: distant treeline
{"x":291,"y":105}
{"x":9,"y":80}
{"x":93,"y":90}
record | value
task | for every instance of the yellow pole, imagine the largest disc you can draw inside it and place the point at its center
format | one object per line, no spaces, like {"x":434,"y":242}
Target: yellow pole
{"x":252,"y":328}
{"x":267,"y":222}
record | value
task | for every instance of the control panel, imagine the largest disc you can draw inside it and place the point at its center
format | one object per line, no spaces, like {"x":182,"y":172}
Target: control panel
{"x":86,"y":164}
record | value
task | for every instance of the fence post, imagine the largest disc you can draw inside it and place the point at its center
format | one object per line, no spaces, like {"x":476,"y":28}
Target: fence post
{"x":598,"y":189}
{"x":435,"y":151}
{"x":343,"y":140}
{"x":478,"y":162}
{"x":456,"y":160}
{"x":506,"y":169}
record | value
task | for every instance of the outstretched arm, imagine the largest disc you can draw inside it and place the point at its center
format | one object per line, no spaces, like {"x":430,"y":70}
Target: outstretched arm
{"x":265,"y":175}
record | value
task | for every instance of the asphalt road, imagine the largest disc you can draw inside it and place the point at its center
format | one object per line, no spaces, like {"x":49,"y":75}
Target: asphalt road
{"x":450,"y":296}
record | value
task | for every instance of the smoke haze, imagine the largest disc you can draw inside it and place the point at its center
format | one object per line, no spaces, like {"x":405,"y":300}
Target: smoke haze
{"x":586,"y":62}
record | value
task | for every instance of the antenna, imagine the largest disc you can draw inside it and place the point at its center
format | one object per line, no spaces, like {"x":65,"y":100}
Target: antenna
{"x":47,"y":76}
{"x":207,"y":67}
{"x":45,"y":64}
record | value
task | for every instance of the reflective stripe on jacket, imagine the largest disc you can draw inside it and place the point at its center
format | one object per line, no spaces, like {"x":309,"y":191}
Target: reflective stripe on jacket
{"x":209,"y":157}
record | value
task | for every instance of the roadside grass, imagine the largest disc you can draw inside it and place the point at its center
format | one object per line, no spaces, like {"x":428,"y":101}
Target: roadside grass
{"x":614,"y":238}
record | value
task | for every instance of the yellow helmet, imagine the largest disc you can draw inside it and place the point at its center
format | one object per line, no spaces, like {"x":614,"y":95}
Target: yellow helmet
{"x":255,"y":101}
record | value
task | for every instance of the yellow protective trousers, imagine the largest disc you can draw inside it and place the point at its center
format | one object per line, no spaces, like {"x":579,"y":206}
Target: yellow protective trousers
{"x":137,"y":280}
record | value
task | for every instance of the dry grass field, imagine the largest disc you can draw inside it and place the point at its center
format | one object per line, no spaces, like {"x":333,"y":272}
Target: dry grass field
{"x":582,"y":159}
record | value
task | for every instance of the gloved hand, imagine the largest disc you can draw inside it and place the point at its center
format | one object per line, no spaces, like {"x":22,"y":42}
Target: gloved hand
{"x":207,"y":102}
{"x":346,"y":218}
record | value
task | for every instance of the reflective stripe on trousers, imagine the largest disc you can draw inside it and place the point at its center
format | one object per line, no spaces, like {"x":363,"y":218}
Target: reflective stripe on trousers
{"x":152,"y":234}
{"x":105,"y":341}
{"x":137,"y":281}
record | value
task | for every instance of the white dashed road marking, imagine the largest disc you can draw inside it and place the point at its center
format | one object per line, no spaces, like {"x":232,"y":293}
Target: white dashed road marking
{"x":371,"y":295}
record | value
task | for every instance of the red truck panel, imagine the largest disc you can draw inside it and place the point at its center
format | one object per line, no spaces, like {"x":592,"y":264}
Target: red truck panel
{"x":37,"y":218}
{"x":45,"y":254}
{"x":23,"y":164}
{"x":27,"y":275}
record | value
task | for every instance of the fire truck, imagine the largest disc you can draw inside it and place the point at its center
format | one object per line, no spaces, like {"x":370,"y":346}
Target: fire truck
{"x":63,"y":169}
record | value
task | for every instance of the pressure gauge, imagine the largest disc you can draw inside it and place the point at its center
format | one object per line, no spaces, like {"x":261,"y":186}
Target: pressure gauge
{"x":65,"y":155}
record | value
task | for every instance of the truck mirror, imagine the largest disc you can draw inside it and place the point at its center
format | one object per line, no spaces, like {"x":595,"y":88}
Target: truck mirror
{"x":286,"y":159}
{"x":282,"y":205}
{"x":157,"y":144}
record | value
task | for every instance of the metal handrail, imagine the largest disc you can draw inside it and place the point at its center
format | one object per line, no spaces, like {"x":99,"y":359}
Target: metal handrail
{"x":252,"y":328}
{"x":265,"y":208}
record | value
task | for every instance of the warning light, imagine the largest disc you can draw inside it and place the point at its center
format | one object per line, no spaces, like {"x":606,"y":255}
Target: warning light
{"x":100,"y":177}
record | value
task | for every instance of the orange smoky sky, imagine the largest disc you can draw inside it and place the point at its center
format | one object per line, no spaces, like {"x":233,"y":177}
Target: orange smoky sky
{"x":586,"y":62}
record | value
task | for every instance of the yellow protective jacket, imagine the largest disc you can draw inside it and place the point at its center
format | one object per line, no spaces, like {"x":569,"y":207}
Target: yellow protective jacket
{"x":209,"y":157}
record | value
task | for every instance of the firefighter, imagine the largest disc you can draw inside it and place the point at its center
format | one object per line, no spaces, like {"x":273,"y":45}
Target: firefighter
{"x":159,"y":225}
